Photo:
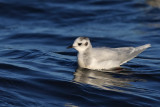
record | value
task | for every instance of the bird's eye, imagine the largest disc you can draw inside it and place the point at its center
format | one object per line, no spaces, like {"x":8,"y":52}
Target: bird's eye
{"x":79,"y":44}
{"x":86,"y":43}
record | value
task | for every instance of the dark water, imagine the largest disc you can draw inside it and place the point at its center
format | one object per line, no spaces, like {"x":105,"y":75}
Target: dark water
{"x":36,"y":69}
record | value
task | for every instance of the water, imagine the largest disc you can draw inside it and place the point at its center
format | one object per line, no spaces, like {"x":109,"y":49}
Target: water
{"x":36,"y":69}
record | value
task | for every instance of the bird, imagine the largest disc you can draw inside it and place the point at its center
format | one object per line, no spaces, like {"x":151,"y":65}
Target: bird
{"x":99,"y":58}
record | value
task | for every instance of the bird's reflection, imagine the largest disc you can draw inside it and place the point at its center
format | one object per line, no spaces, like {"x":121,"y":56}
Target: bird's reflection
{"x":110,"y":80}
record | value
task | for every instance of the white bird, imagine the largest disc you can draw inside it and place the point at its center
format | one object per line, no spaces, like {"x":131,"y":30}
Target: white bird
{"x":104,"y":57}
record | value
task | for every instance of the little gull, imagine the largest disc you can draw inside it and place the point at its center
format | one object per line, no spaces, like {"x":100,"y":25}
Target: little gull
{"x":104,"y":57}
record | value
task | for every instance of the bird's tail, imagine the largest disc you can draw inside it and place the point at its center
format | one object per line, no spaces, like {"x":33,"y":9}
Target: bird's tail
{"x":143,"y":47}
{"x":140,"y":49}
{"x":135,"y":51}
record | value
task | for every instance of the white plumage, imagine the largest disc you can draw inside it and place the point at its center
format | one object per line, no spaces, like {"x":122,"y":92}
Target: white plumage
{"x":103,"y":58}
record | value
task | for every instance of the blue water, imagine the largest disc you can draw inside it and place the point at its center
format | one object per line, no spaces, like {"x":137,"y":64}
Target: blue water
{"x":36,"y":69}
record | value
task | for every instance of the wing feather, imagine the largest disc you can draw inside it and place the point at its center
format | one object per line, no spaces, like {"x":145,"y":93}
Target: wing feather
{"x":122,"y":55}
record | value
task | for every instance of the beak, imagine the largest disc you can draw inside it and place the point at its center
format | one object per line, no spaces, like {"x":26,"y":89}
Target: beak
{"x":69,"y":47}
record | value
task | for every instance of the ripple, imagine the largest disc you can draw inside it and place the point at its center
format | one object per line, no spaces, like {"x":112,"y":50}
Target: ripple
{"x":36,"y":69}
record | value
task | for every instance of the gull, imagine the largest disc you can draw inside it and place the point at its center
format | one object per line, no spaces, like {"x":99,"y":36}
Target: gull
{"x":103,"y":57}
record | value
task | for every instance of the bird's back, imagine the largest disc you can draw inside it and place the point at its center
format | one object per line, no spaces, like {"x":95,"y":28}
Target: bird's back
{"x":103,"y":54}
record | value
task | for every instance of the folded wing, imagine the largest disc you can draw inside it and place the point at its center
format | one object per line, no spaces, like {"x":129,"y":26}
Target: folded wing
{"x":127,"y":53}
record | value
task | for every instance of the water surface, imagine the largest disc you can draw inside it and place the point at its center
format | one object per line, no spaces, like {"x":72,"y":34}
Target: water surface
{"x":36,"y":69}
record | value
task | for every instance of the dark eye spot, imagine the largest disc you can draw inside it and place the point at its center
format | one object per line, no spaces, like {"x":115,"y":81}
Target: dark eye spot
{"x":79,"y":44}
{"x":86,"y":43}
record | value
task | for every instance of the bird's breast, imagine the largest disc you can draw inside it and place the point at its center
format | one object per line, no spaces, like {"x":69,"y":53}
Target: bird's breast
{"x":84,"y":60}
{"x":80,"y":61}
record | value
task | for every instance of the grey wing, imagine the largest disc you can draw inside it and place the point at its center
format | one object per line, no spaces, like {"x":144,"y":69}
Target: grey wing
{"x":104,"y":54}
{"x":127,"y":53}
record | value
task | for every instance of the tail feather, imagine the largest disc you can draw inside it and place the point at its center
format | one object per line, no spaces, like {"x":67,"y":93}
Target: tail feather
{"x":144,"y":46}
{"x":135,"y":52}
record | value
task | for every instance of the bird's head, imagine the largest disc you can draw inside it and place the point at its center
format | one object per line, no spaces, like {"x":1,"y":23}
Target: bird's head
{"x":81,"y":44}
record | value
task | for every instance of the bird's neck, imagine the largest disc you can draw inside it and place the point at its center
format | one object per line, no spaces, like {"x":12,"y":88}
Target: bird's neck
{"x":84,"y":58}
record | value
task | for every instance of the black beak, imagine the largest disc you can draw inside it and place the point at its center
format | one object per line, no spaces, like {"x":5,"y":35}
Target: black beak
{"x":69,"y":47}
